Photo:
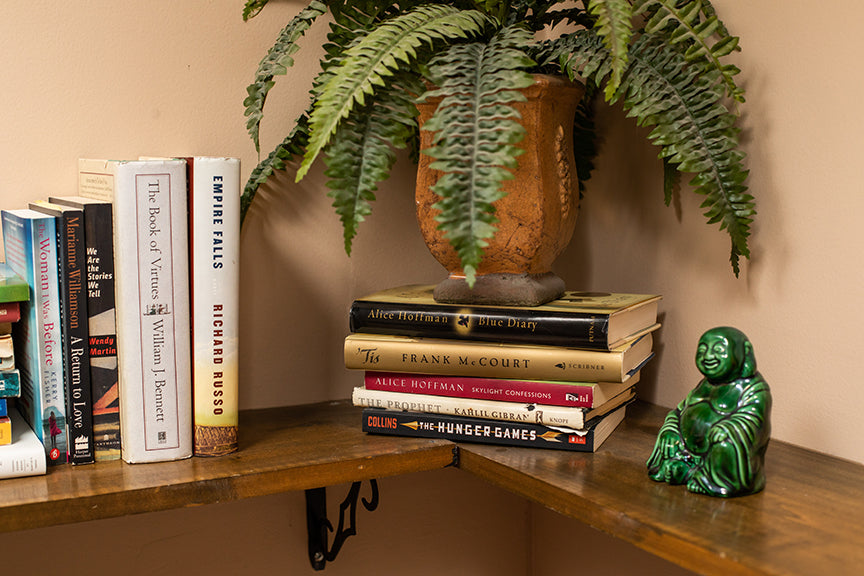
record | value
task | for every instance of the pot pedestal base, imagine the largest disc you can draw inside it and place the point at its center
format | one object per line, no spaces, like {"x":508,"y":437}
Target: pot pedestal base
{"x":501,"y":289}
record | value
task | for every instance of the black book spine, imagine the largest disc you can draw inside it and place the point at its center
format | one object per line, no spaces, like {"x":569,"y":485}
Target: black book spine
{"x":511,"y":325}
{"x":75,"y":334}
{"x":103,"y":332}
{"x":464,"y":429}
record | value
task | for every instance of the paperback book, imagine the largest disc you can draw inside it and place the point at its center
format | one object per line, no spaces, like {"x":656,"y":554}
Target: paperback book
{"x":101,"y":323}
{"x":390,"y":353}
{"x":13,"y":291}
{"x":545,"y":415}
{"x":592,"y":320}
{"x":465,"y":429}
{"x":7,"y":348}
{"x":5,"y":425}
{"x":24,"y":455}
{"x":30,"y":244}
{"x":72,"y":272}
{"x":575,"y":394}
{"x":10,"y":383}
{"x":152,"y":302}
{"x":10,"y":312}
{"x":13,"y":288}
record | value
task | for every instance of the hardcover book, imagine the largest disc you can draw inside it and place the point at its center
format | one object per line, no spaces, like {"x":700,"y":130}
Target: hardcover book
{"x":465,"y":429}
{"x":214,"y":227}
{"x":574,"y":418}
{"x":389,"y":353}
{"x":596,"y":321}
{"x":25,"y":455}
{"x":152,"y":302}
{"x":30,"y":243}
{"x":101,"y":323}
{"x":72,"y":272}
{"x":575,"y":394}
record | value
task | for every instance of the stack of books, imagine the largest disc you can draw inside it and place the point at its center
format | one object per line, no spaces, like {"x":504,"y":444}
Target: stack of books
{"x":21,"y":453}
{"x":555,"y":376}
{"x":13,"y":292}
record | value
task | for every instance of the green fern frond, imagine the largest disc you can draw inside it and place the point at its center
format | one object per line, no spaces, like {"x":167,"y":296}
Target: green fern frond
{"x":693,"y":128}
{"x":704,"y":37}
{"x":293,"y":145}
{"x":695,"y":132}
{"x":368,"y":65}
{"x":614,"y":24}
{"x":252,"y":8}
{"x":361,"y":155}
{"x":276,"y":62}
{"x":475,"y":133}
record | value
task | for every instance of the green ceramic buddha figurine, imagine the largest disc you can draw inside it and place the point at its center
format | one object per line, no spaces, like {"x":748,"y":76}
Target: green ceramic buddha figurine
{"x":714,"y":441}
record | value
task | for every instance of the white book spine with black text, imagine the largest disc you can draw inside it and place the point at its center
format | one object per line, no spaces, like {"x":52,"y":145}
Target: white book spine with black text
{"x":553,"y":416}
{"x":152,"y":302}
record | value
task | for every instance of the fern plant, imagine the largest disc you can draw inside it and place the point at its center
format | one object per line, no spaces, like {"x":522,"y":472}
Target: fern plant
{"x":666,"y":61}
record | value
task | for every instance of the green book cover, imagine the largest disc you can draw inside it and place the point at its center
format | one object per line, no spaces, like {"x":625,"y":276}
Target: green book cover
{"x":12,"y":287}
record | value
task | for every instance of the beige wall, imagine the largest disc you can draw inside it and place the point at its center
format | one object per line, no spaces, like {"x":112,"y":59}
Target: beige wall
{"x":101,"y":78}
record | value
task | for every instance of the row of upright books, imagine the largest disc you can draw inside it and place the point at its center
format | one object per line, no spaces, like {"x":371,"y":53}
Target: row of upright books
{"x":127,"y":344}
{"x":555,"y":376}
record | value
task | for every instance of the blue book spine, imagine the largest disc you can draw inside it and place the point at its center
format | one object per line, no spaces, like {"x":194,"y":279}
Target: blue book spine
{"x":10,"y":384}
{"x":31,"y":251}
{"x":3,"y":408}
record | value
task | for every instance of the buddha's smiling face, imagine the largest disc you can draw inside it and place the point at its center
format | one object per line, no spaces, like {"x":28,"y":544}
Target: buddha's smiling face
{"x":715,"y":357}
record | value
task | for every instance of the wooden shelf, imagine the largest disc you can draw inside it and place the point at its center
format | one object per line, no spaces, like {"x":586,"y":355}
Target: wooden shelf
{"x":282,"y":449}
{"x":808,"y":520}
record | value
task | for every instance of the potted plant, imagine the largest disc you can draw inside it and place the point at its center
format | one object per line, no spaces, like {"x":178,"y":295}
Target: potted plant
{"x":665,"y":60}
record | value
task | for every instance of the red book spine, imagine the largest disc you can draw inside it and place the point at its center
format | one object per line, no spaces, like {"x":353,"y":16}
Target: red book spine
{"x":10,"y":312}
{"x":531,"y":391}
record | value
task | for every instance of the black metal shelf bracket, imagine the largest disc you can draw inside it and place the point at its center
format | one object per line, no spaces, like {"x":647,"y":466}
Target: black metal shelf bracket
{"x":318,"y":526}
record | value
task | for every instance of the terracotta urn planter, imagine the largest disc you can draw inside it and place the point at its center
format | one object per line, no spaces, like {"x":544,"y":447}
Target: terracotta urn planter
{"x":536,"y":218}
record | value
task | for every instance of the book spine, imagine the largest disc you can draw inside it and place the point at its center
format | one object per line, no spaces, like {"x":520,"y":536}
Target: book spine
{"x":452,"y":357}
{"x":463,"y":429}
{"x":10,"y":383}
{"x":490,"y":324}
{"x":5,"y":427}
{"x":25,"y":455}
{"x":471,"y":407}
{"x":31,"y":251}
{"x":214,"y":220}
{"x":577,"y":395}
{"x":98,"y":235}
{"x":10,"y":312}
{"x":74,"y":333}
{"x":152,"y":303}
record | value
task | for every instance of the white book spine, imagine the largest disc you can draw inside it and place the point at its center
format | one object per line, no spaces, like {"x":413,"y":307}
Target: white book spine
{"x":152,"y":303}
{"x":215,"y":254}
{"x":558,"y":416}
{"x":25,"y":456}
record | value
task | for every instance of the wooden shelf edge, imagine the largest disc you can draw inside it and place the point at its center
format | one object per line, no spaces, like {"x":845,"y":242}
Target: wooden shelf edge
{"x":807,"y":520}
{"x":281,"y":451}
